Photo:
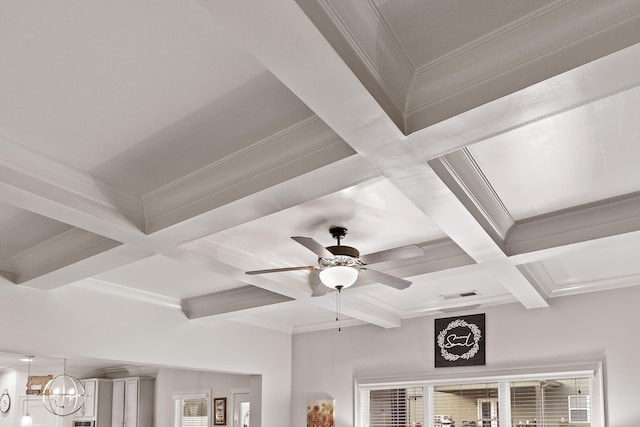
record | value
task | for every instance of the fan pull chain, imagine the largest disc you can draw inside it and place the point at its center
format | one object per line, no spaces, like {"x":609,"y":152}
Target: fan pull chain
{"x":339,"y":308}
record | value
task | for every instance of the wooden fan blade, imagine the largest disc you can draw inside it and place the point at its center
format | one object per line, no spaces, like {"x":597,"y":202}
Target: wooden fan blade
{"x":391,"y":254}
{"x":385,"y":279}
{"x":277,"y":270}
{"x":313,"y":246}
{"x":317,"y":288}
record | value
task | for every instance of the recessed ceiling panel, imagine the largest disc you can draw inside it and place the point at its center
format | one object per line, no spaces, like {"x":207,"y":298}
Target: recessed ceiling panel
{"x":164,"y":276}
{"x":430,"y":29}
{"x":21,"y":230}
{"x":376,"y":214}
{"x":591,"y":265}
{"x":581,"y":156}
{"x":302,"y":315}
{"x":138,"y":94}
{"x":431,"y":291}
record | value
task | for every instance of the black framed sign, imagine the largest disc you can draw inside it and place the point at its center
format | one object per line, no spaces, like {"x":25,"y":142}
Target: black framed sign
{"x":459,"y":341}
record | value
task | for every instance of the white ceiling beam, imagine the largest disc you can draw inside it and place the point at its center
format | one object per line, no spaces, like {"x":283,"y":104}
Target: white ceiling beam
{"x":593,"y":81}
{"x":232,"y":300}
{"x":297,"y":150}
{"x":197,"y":255}
{"x":320,"y":182}
{"x":42,"y":185}
{"x":86,"y":267}
{"x":60,"y":251}
{"x":596,"y":221}
{"x":288,"y":44}
{"x":291,"y":47}
{"x":568,"y":34}
{"x":517,"y":284}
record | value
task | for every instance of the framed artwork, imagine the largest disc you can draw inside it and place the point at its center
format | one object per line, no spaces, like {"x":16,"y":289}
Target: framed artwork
{"x":219,"y":411}
{"x":320,"y":413}
{"x":460,"y":341}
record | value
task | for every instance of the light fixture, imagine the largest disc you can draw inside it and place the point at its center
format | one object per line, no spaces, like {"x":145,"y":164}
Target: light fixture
{"x":339,"y":276}
{"x":63,"y":395}
{"x":26,"y":419}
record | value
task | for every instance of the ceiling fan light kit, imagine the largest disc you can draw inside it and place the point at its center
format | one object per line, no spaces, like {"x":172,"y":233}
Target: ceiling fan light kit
{"x":340,"y":266}
{"x":339,"y":275}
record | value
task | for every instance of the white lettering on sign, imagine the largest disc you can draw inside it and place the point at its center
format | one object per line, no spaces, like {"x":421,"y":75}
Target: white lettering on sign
{"x":454,"y":340}
{"x":448,"y":340}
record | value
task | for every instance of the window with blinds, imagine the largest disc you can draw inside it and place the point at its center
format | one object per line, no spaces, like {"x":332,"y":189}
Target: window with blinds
{"x":555,"y":402}
{"x":396,"y":407}
{"x":192,"y":411}
{"x":549,"y":398}
{"x":466,"y":405}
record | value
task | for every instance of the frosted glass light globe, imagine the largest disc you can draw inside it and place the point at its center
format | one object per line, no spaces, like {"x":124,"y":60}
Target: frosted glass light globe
{"x":339,"y":275}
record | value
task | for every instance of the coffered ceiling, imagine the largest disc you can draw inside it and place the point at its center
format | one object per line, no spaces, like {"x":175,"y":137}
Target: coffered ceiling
{"x":159,"y":150}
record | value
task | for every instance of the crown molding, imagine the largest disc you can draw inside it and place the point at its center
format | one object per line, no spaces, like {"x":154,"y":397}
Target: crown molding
{"x":398,"y":72}
{"x":105,"y":287}
{"x":7,"y":266}
{"x":263,"y":323}
{"x":536,"y":273}
{"x":596,"y":285}
{"x":563,"y":35}
{"x":506,"y":31}
{"x":540,"y":275}
{"x":301,"y":148}
{"x":349,"y":35}
{"x":462,"y":174}
{"x":49,"y":184}
{"x":60,"y":251}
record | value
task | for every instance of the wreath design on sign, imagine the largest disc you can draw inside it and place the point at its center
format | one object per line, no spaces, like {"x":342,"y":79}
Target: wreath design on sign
{"x":459,"y":323}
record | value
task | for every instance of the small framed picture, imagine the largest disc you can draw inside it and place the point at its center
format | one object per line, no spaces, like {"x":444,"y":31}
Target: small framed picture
{"x":219,"y":411}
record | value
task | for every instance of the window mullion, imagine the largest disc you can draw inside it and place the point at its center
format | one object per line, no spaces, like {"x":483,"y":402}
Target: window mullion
{"x":428,"y":406}
{"x":504,"y":403}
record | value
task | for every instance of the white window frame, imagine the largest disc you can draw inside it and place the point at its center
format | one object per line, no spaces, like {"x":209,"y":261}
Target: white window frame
{"x":593,"y":371}
{"x":197,"y":395}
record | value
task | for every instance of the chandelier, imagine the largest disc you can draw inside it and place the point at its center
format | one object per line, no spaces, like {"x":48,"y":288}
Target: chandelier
{"x":63,"y":395}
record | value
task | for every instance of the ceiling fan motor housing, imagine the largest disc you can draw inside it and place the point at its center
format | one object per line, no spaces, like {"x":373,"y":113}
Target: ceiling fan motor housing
{"x":343,"y":255}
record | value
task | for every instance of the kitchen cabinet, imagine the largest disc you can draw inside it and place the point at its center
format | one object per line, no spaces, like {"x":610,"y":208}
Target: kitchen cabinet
{"x":97,"y":404}
{"x":132,"y":403}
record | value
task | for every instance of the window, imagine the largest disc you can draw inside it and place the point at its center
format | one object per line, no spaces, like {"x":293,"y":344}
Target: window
{"x":551,"y":402}
{"x":398,"y":407}
{"x":192,"y":410}
{"x":466,"y":405}
{"x":571,"y":397}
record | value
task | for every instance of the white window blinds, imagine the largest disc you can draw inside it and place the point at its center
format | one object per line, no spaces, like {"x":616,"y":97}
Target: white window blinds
{"x":466,"y":405}
{"x":192,"y":412}
{"x":396,"y":407}
{"x":555,"y":402}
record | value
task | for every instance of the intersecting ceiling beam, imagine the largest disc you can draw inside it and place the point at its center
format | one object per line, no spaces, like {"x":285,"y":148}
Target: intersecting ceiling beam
{"x":287,"y":43}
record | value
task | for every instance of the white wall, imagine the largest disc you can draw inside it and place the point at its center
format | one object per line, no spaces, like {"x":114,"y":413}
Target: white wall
{"x":8,"y":382}
{"x":177,"y":381}
{"x":600,"y":326}
{"x":81,"y":323}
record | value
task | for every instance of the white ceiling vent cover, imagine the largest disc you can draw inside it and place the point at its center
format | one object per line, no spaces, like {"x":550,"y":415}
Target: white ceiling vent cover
{"x":459,"y":295}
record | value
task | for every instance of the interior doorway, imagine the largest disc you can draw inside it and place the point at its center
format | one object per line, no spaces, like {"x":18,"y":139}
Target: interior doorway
{"x":241,"y":409}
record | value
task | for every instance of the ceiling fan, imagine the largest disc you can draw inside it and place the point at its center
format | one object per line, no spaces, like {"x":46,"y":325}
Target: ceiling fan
{"x":340,"y":266}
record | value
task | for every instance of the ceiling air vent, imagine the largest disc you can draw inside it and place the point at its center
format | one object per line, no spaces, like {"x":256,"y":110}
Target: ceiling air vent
{"x":460,"y":295}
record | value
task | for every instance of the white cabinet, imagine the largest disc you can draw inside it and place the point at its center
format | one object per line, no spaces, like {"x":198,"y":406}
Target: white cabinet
{"x":132,"y":404}
{"x":97,"y":404}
